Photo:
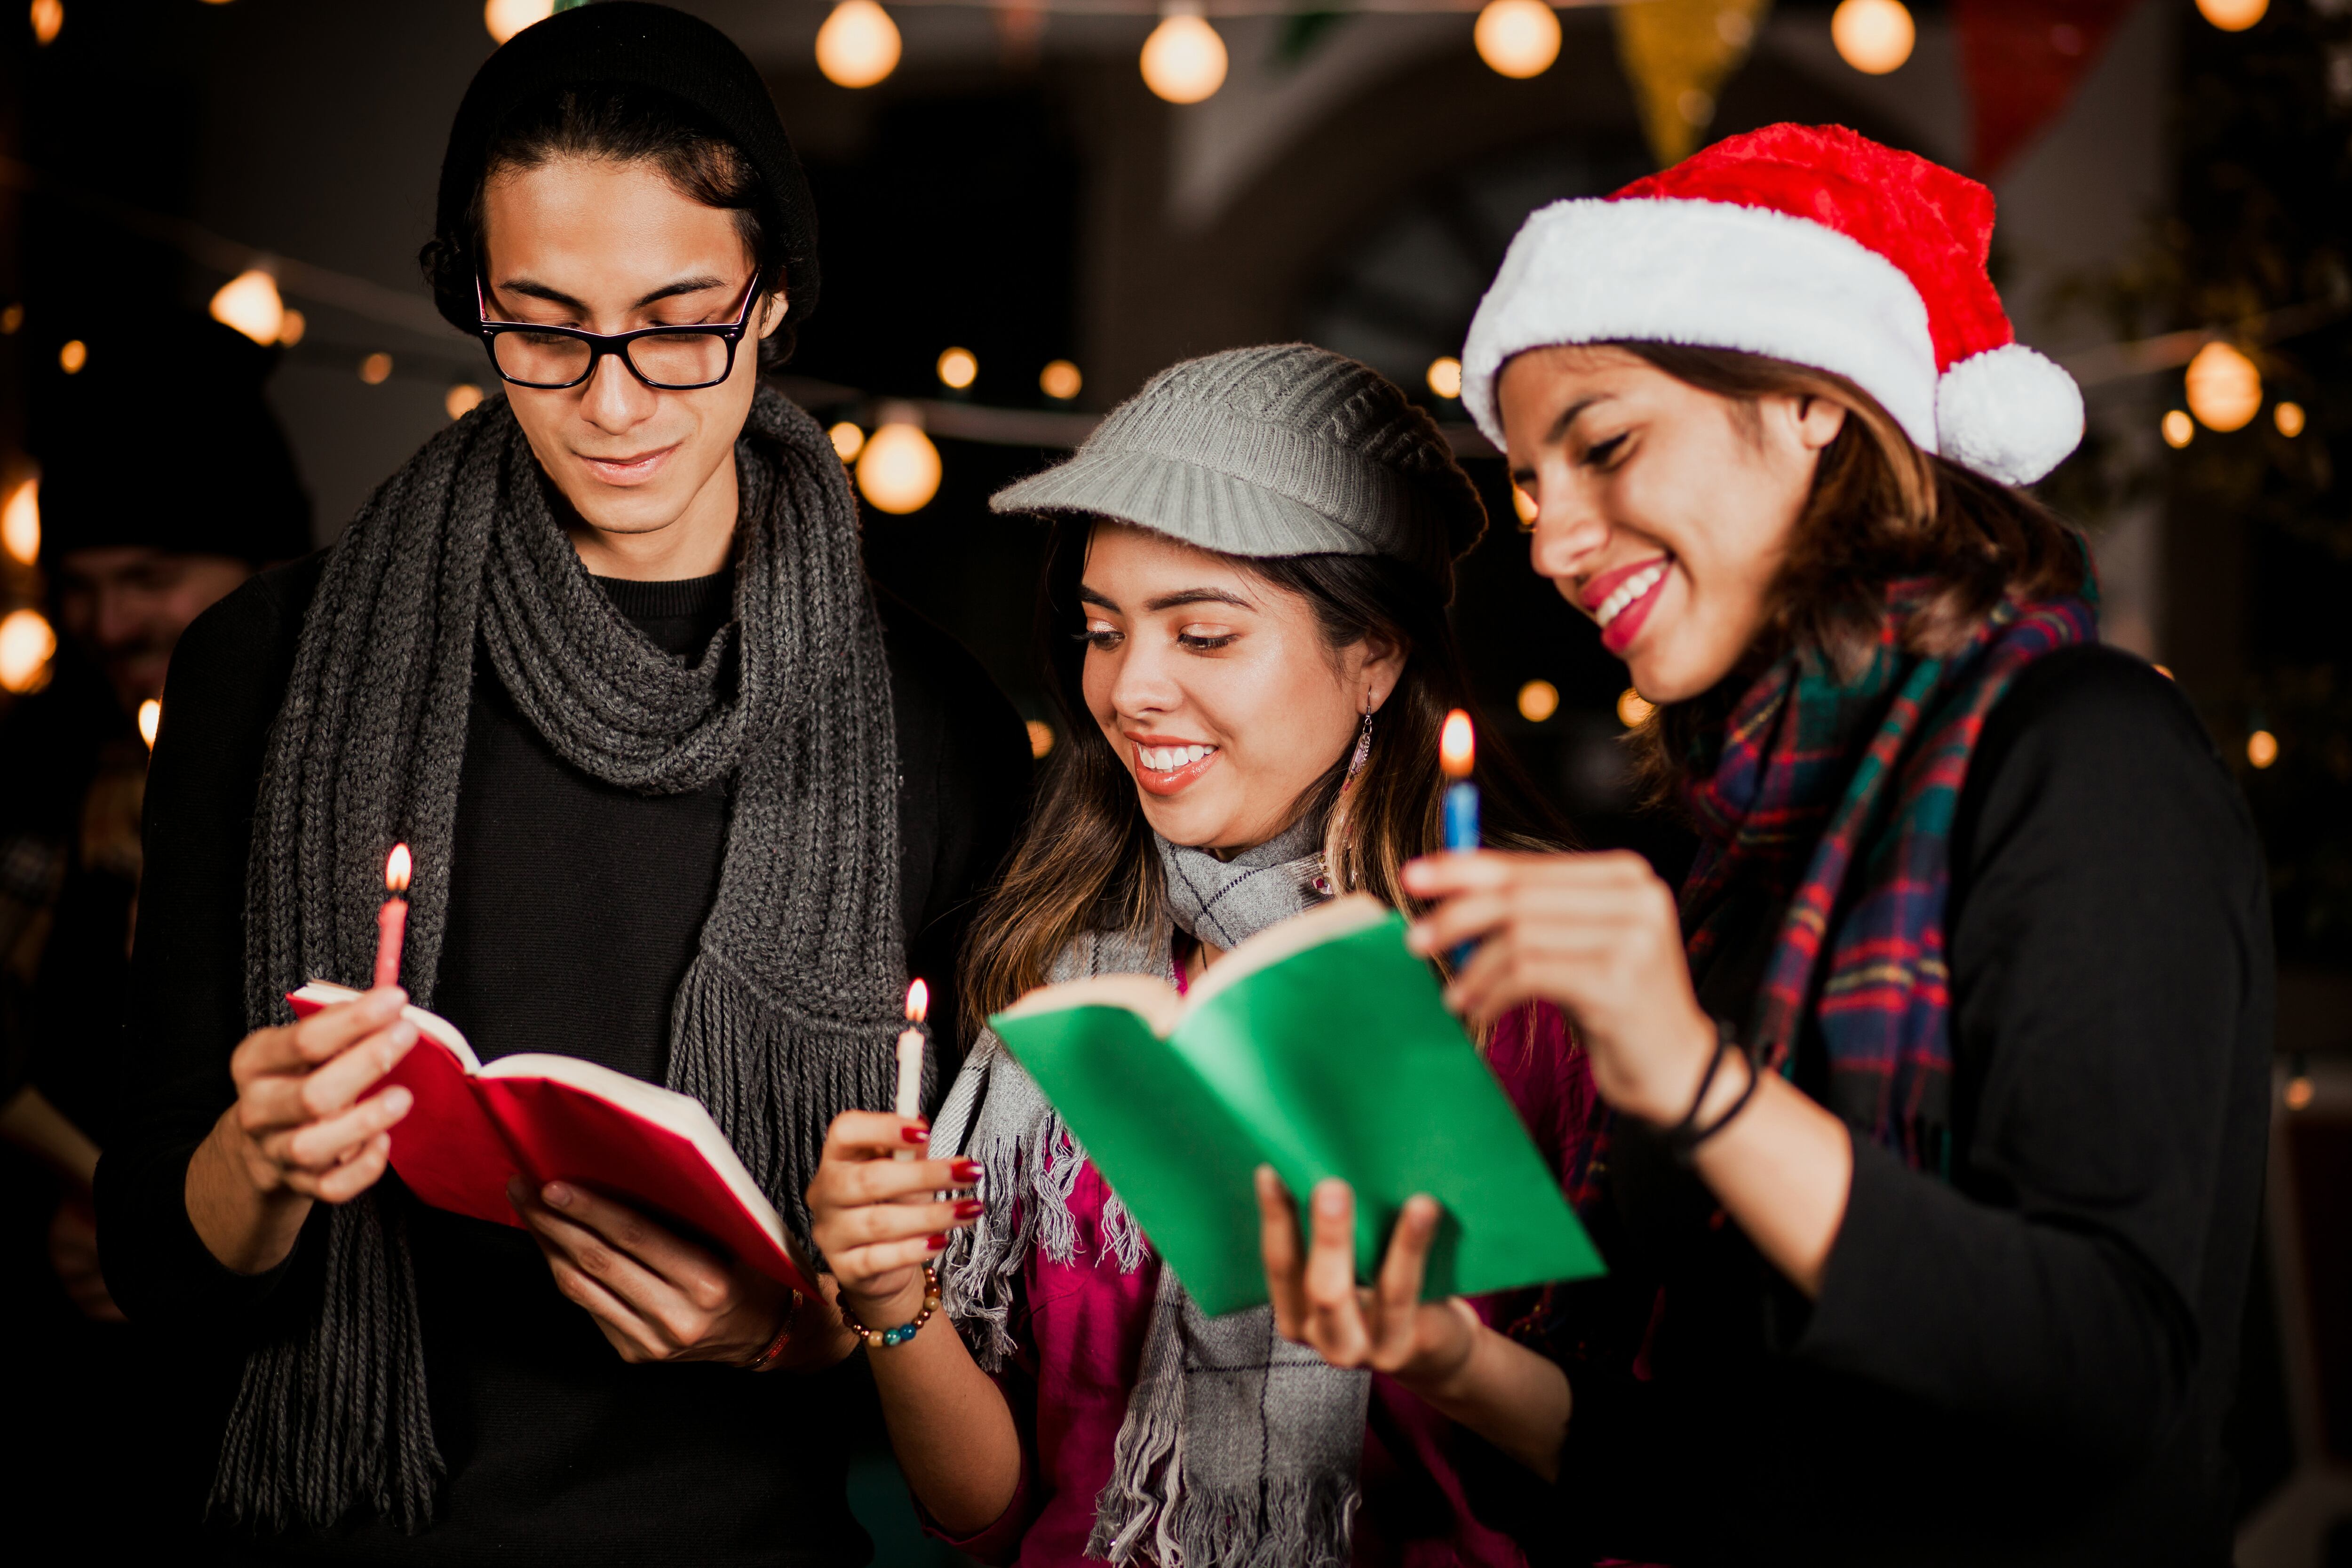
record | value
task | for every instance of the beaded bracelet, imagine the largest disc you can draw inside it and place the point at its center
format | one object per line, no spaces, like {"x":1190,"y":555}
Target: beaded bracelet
{"x":877,"y":1339}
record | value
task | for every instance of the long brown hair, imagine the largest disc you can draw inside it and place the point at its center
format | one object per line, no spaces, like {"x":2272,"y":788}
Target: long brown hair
{"x":1880,"y":509}
{"x":1084,"y":861}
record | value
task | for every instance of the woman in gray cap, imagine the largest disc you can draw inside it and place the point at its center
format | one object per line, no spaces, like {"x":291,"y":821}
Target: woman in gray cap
{"x":1246,"y":622}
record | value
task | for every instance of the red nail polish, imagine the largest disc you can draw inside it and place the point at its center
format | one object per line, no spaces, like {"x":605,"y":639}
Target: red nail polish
{"x":916,"y":1134}
{"x":971,"y":1208}
{"x":965,"y":1170}
{"x":937,"y":1242}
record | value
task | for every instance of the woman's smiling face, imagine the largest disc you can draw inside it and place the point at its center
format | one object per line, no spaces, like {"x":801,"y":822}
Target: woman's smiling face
{"x":1663,"y":512}
{"x":1215,"y":688}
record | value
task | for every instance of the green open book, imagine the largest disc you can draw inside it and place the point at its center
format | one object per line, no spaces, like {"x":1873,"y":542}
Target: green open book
{"x":1321,"y":1047}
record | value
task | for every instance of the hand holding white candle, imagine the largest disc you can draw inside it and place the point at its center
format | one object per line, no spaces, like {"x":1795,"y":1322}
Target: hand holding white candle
{"x":909,"y":1100}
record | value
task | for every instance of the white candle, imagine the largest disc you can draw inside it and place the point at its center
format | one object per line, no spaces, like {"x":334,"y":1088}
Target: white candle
{"x":910,"y":1102}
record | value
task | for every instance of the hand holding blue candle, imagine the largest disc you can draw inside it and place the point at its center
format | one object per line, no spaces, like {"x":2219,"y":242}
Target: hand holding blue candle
{"x":1458,"y":753}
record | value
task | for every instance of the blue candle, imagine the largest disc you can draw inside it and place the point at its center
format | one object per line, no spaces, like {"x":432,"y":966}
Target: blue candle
{"x":1462,"y":816}
{"x":1456,"y":756}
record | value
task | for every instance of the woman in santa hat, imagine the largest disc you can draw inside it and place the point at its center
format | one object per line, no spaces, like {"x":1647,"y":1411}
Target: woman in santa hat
{"x":1939,"y":1094}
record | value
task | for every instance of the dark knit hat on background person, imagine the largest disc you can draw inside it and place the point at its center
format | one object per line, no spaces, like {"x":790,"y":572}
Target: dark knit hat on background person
{"x":163,"y":440}
{"x":1286,"y":449}
{"x":628,"y":44}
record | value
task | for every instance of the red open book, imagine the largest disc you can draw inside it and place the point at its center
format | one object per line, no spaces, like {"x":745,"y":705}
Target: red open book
{"x":554,"y":1118}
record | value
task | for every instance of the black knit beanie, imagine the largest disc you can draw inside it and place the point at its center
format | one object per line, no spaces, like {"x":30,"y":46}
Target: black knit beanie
{"x":624,"y":43}
{"x":163,"y":440}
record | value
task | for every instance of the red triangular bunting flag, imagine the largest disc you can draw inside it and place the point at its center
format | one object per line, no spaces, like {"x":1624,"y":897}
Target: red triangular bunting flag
{"x":2021,"y":60}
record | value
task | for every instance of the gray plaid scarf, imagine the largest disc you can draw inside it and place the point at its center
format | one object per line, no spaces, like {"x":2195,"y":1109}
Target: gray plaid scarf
{"x":1238,"y":1447}
{"x":786,"y":1014}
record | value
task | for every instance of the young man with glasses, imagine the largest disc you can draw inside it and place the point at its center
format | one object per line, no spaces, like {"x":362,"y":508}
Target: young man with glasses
{"x":682,"y":803}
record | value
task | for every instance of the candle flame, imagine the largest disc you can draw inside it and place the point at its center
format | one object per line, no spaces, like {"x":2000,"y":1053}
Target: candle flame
{"x":1456,"y":746}
{"x":919,"y":1001}
{"x":396,"y":868}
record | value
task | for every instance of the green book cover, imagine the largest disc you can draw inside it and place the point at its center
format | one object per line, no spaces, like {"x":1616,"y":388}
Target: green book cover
{"x":1322,"y":1047}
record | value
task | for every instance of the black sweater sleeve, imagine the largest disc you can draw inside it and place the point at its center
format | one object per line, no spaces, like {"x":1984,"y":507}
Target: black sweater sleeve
{"x":186,"y":1010}
{"x":2110,"y":960}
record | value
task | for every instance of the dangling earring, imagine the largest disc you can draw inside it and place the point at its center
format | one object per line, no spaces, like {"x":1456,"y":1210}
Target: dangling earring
{"x":1363,"y":741}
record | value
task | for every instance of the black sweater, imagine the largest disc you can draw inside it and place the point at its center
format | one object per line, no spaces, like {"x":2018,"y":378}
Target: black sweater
{"x":574,"y":909}
{"x":2029,"y":1364}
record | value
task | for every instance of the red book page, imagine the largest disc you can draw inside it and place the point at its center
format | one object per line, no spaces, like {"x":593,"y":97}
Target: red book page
{"x":565,"y":1134}
{"x":472,"y":1130}
{"x":446,"y":1148}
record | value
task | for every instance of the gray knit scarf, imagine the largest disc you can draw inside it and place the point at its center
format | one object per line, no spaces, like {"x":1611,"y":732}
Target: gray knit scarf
{"x":786,"y":1014}
{"x":1238,"y":1447}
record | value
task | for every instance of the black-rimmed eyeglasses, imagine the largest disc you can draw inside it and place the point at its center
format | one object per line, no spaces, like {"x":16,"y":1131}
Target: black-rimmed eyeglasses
{"x":667,"y":359}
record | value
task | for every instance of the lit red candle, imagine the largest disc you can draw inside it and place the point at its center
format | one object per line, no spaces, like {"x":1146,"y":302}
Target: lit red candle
{"x":392,"y":918}
{"x":909,"y":1100}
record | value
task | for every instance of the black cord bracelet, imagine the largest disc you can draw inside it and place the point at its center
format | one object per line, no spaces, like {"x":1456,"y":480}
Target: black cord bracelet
{"x":1684,"y":1136}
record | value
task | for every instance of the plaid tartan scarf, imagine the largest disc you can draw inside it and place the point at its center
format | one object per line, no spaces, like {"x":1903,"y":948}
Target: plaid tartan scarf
{"x":1838,"y":795}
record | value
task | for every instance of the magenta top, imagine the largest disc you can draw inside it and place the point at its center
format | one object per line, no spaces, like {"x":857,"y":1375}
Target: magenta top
{"x":1081,"y":1344}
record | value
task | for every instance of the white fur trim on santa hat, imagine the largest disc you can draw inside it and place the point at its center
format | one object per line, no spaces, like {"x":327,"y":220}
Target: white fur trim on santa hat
{"x":1712,"y":275}
{"x":2009,"y":413}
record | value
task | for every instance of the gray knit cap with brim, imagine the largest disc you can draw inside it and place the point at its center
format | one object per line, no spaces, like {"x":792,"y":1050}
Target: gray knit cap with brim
{"x":1287,"y":449}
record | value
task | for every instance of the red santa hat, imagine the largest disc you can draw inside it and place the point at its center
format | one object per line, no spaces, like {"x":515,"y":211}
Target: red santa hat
{"x":1804,"y":243}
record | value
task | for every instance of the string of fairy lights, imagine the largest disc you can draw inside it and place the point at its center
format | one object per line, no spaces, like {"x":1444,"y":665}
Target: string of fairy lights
{"x":896,"y":463}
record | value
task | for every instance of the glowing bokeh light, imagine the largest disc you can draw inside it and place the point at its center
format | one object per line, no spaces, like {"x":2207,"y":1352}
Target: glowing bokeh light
{"x":2300,"y":1092}
{"x":1525,"y":505}
{"x":27,"y":644}
{"x":11,"y":318}
{"x":848,"y":440}
{"x":899,"y":472}
{"x":2289,"y":418}
{"x":957,"y":369}
{"x":2225,"y":390}
{"x":1060,"y":380}
{"x":858,"y":44}
{"x":1517,"y":38}
{"x":249,"y":302}
{"x":462,"y":399}
{"x":1184,"y":61}
{"x":48,"y":19}
{"x":504,"y":18}
{"x":1634,"y":710}
{"x":1446,"y":376}
{"x":376,"y":369}
{"x":292,"y":327}
{"x":2262,"y":748}
{"x":1874,"y":37}
{"x":2178,"y":429}
{"x":1539,"y":701}
{"x":1041,"y":738}
{"x":2232,"y":15}
{"x":73,"y":356}
{"x":20,"y":522}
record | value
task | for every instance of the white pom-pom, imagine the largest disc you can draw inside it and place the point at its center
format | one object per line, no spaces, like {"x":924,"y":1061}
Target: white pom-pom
{"x":2009,"y":413}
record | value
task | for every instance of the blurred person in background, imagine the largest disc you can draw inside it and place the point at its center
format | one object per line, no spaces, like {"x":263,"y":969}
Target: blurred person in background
{"x":134,"y":546}
{"x":687,"y":798}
